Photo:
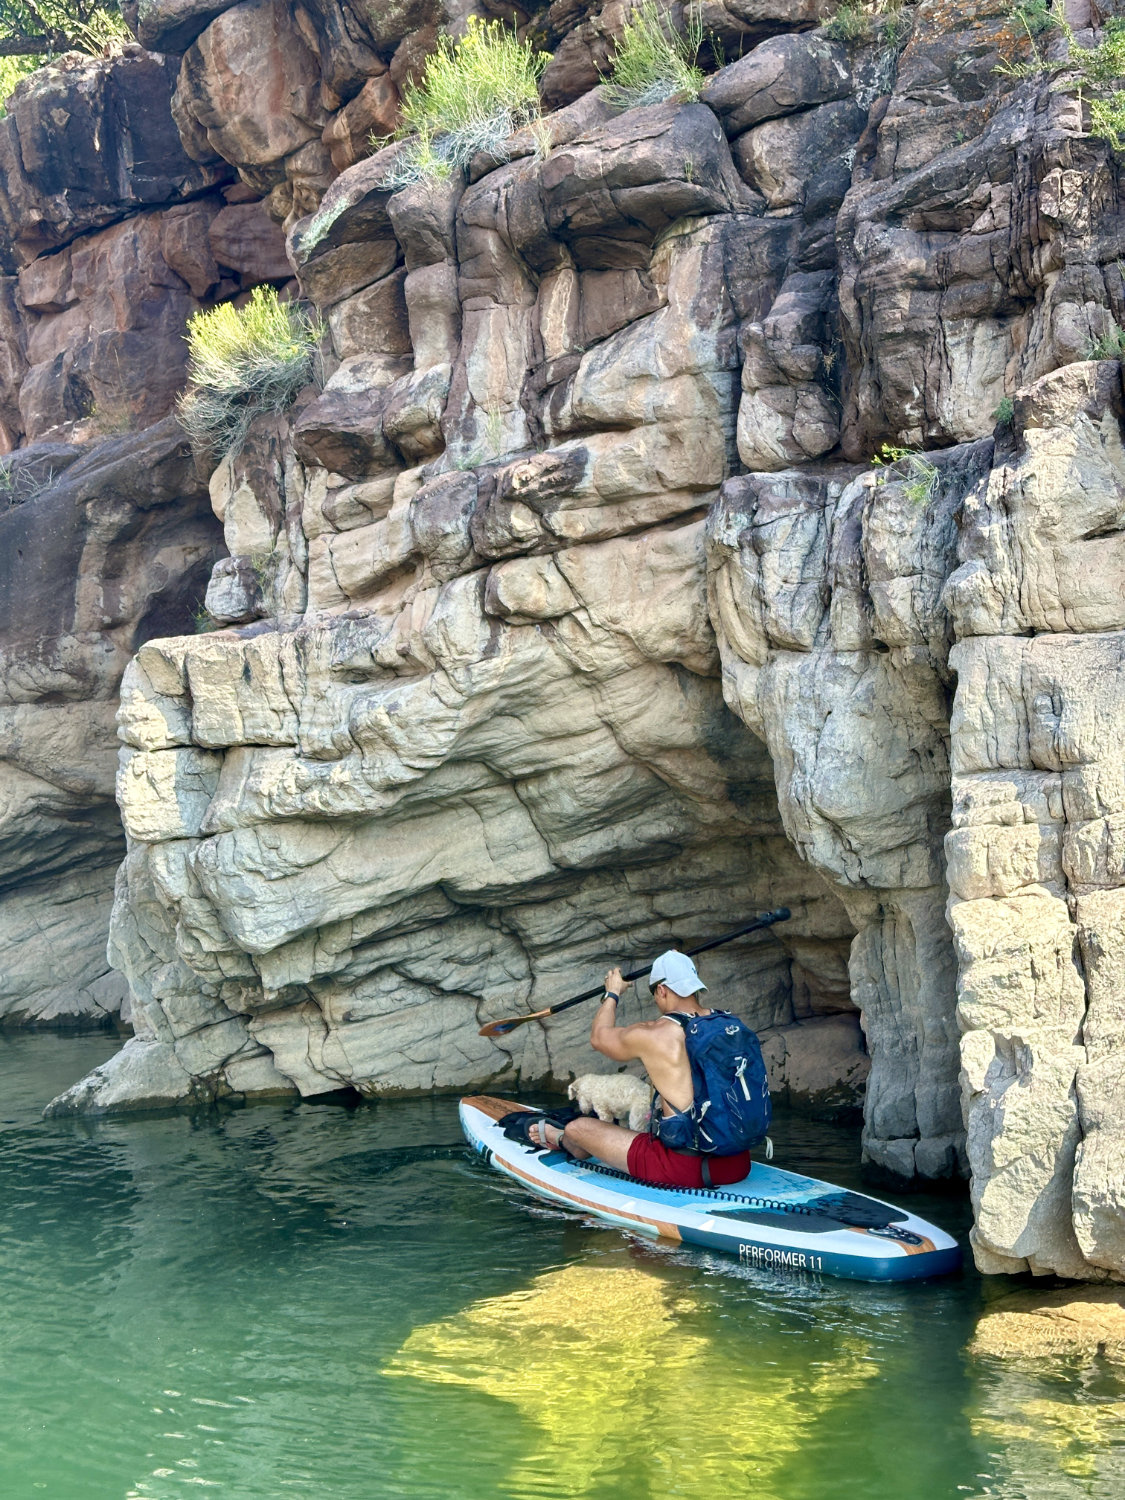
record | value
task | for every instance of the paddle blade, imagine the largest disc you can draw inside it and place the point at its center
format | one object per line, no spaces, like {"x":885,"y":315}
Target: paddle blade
{"x":509,"y":1023}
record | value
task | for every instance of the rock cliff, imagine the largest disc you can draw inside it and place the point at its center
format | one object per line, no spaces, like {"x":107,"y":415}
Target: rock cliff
{"x":100,"y":549}
{"x":704,"y":506}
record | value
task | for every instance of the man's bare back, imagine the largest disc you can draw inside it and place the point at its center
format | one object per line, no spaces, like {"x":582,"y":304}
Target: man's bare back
{"x":658,"y":1044}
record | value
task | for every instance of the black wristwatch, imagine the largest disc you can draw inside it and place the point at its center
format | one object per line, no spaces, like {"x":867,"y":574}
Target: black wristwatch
{"x":609,"y":995}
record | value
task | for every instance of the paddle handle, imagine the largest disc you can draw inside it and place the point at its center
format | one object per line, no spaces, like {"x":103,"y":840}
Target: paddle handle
{"x":767,"y":919}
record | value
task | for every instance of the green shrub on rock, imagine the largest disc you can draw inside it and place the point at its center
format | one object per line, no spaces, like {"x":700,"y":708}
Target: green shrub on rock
{"x":473,"y":94}
{"x":244,"y":361}
{"x":1037,"y":17}
{"x":1088,"y":72}
{"x":654,"y":61}
{"x":1098,"y":69}
{"x":1111,"y":344}
{"x":884,"y":22}
{"x":917,"y":475}
{"x":851,"y":23}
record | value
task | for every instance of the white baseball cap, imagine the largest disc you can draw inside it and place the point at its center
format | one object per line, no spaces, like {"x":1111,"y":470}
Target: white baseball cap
{"x":677,"y":971}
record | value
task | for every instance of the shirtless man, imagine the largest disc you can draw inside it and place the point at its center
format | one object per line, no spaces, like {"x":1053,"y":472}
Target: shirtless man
{"x":674,"y":984}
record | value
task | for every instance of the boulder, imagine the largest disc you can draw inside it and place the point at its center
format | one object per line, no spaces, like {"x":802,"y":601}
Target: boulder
{"x":248,"y":92}
{"x":348,"y":54}
{"x":342,"y":430}
{"x":31,"y":470}
{"x":818,"y":1066}
{"x":372,"y":114}
{"x":349,"y":242}
{"x":803,"y":159}
{"x":606,"y":195}
{"x":171,"y":25}
{"x":1063,"y":1324}
{"x":782,"y":76}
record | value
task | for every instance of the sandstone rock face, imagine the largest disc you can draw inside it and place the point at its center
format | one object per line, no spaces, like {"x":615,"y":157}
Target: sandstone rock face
{"x":1034,"y":881}
{"x":493,"y":707}
{"x":352,"y":902}
{"x":95,"y":345}
{"x":113,"y":237}
{"x":592,"y":601}
{"x":826,"y":597}
{"x":103,"y":325}
{"x":249,"y":94}
{"x":116,"y":549}
{"x":969,"y":229}
{"x":86,"y":141}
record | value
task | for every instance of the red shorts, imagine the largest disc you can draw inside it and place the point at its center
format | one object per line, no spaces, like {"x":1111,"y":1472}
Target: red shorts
{"x":652,"y":1161}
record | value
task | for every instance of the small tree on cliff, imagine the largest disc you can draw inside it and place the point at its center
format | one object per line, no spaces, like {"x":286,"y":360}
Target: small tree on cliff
{"x":472,"y":95}
{"x":32,"y":31}
{"x":44,"y":28}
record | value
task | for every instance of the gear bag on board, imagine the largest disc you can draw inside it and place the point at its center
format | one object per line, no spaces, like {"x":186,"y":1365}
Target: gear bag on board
{"x":730,"y":1108}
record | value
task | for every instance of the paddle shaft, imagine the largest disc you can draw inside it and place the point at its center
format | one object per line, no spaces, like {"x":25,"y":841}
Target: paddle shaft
{"x":767,"y":919}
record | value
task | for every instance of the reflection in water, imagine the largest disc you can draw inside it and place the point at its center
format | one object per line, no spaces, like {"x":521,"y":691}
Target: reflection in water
{"x":1054,"y":1430}
{"x":619,"y":1376}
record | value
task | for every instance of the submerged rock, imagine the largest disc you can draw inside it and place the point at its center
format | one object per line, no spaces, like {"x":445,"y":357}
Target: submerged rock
{"x":1064,"y":1324}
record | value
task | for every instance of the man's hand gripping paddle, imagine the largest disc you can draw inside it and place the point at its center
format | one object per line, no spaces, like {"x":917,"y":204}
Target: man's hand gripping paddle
{"x":501,"y":1028}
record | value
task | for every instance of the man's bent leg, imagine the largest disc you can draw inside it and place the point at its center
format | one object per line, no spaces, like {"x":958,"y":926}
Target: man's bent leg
{"x":609,"y":1143}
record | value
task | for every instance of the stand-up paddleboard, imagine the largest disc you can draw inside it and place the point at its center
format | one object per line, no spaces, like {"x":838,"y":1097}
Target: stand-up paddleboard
{"x":771,"y":1218}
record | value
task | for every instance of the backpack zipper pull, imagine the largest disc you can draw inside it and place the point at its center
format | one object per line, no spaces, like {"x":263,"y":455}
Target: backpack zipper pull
{"x":740,"y":1074}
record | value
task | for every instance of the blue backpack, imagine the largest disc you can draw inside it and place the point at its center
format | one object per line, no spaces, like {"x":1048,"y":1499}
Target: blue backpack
{"x":730,"y":1109}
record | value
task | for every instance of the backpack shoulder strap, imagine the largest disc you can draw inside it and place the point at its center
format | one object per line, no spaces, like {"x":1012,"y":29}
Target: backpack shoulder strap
{"x":681,"y":1019}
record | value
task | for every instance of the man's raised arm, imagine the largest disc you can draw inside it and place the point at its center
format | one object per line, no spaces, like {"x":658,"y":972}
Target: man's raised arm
{"x":606,"y":1037}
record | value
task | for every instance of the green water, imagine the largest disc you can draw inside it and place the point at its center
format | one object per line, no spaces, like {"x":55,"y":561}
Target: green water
{"x":338,"y":1304}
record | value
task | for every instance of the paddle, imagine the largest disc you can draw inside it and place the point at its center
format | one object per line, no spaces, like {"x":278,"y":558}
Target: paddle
{"x":501,"y":1028}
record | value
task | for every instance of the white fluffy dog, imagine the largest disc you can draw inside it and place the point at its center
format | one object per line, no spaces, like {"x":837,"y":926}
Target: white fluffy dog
{"x":614,"y":1097}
